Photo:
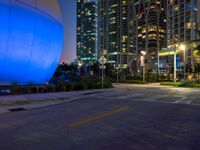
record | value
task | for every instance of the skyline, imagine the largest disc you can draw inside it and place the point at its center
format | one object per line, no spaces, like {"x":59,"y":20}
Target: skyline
{"x":99,"y":74}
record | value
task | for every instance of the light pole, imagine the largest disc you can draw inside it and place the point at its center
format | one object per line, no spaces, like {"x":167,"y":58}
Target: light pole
{"x":183,"y":47}
{"x":103,"y":61}
{"x":143,"y":64}
{"x":174,"y":64}
{"x":80,"y":64}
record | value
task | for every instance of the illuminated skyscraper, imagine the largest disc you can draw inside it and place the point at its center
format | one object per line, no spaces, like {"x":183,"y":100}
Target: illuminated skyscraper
{"x":86,"y":30}
{"x":148,"y":23}
{"x":127,"y":27}
{"x":183,"y":20}
{"x":113,"y":20}
{"x":183,"y":17}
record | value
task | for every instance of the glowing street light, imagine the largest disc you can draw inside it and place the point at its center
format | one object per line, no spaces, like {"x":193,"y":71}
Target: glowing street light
{"x":182,"y":47}
{"x":143,"y":53}
{"x":80,"y":64}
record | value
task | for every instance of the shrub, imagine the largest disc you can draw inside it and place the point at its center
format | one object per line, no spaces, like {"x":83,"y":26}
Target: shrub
{"x":15,"y":89}
{"x":79,"y":86}
{"x":32,"y":89}
{"x":49,"y":88}
{"x":91,"y":85}
{"x":107,"y":84}
{"x":68,"y":87}
{"x":151,"y":77}
{"x":60,"y":86}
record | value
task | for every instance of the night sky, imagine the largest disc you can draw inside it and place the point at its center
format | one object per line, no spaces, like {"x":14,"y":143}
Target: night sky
{"x":68,"y":10}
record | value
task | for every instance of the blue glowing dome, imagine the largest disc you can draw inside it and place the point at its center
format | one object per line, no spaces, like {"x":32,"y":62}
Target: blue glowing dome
{"x":31,"y":38}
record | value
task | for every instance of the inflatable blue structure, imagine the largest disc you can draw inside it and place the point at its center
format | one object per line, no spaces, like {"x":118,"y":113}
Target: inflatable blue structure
{"x":31,"y":39}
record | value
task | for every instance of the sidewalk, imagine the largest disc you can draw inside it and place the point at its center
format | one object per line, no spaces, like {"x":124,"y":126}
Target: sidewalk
{"x":32,"y":101}
{"x":147,"y":85}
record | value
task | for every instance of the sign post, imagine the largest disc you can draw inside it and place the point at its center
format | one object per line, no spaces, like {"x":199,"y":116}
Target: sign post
{"x":102,"y":61}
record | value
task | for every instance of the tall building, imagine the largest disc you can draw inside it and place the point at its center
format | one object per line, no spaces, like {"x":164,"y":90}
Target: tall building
{"x":86,"y":31}
{"x":183,"y":24}
{"x":183,"y":17}
{"x":127,"y":27}
{"x":113,"y":20}
{"x":148,"y":27}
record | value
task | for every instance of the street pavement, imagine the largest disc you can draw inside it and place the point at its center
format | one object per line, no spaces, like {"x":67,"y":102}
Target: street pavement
{"x":128,"y":117}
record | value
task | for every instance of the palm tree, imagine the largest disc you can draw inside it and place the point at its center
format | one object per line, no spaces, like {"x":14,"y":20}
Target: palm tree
{"x":195,"y":45}
{"x":196,"y":54}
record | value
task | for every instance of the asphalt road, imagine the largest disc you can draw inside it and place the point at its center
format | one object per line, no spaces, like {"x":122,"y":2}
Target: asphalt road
{"x":125,"y":118}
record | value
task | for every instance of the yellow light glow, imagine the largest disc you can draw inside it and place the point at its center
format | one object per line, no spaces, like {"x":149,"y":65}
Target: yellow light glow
{"x":182,"y":47}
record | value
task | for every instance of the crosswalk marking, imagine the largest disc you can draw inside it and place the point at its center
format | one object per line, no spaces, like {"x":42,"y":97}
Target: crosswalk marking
{"x":165,"y":98}
{"x":179,"y":100}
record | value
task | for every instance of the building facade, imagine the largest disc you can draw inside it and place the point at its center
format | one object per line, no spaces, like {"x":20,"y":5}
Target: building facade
{"x":183,"y":17}
{"x":113,"y":22}
{"x":148,"y":24}
{"x":127,"y":27}
{"x":86,"y":31}
{"x":183,"y":20}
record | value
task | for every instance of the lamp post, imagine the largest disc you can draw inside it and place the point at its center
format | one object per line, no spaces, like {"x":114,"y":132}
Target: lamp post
{"x":103,"y":61}
{"x":80,"y":64}
{"x":174,"y":64}
{"x":183,"y":47}
{"x":143,"y":64}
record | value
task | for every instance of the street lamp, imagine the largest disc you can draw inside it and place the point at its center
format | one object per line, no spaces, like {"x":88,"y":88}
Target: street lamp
{"x":143,"y":63}
{"x":80,"y":64}
{"x":143,"y":53}
{"x":183,"y":47}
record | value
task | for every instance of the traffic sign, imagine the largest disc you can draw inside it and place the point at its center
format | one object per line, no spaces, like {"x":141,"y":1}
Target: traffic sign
{"x":103,"y":67}
{"x":102,"y":60}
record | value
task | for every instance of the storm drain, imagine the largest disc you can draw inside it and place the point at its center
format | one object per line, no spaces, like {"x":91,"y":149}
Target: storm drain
{"x":16,"y":109}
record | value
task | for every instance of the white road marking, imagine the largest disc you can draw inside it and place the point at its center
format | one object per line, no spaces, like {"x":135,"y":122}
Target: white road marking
{"x":178,"y":101}
{"x":189,"y":102}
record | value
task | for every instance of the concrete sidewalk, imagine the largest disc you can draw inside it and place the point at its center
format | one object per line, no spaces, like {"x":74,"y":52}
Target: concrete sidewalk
{"x":147,"y":85}
{"x":32,"y":101}
{"x":152,"y":85}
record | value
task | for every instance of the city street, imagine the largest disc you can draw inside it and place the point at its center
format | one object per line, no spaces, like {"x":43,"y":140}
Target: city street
{"x":128,"y":117}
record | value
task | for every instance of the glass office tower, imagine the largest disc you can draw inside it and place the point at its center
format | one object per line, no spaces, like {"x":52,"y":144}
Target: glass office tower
{"x":183,"y":19}
{"x":113,"y":22}
{"x":86,"y":31}
{"x":127,"y":27}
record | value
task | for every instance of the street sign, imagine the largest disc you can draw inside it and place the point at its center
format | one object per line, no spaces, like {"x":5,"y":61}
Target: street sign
{"x":103,"y":67}
{"x":102,"y":60}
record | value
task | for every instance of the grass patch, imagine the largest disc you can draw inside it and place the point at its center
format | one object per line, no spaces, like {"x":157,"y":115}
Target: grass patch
{"x":172,"y":83}
{"x":192,"y":85}
{"x":133,"y":81}
{"x":182,"y":84}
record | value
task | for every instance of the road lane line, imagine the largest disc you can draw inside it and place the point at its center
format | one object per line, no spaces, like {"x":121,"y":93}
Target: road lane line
{"x":85,"y":121}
